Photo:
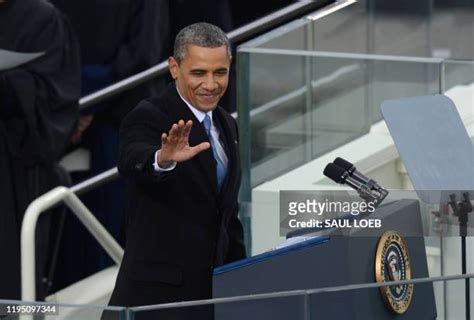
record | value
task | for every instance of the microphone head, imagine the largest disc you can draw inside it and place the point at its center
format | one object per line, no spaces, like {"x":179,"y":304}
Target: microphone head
{"x":344,"y":164}
{"x":335,"y":173}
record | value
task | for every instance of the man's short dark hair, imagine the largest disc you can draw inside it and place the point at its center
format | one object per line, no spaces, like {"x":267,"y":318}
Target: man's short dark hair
{"x":200,"y":34}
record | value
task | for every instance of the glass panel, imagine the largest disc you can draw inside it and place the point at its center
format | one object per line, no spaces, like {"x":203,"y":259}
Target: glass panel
{"x":401,"y":27}
{"x":291,"y":36}
{"x":458,"y":85}
{"x":337,"y":32}
{"x":392,"y":79}
{"x":334,"y":32}
{"x":452,"y":29}
{"x":295,"y":106}
{"x":274,"y":105}
{"x":458,"y":73}
{"x":339,"y":102}
{"x":404,"y":28}
{"x":295,"y":109}
{"x":307,"y":87}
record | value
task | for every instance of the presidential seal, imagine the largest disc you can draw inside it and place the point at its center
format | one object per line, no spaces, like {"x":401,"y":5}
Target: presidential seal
{"x":392,"y":263}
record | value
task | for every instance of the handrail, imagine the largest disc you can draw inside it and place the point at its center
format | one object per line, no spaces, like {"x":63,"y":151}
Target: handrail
{"x":28,"y":228}
{"x":96,"y":181}
{"x":300,"y":292}
{"x":243,"y":33}
{"x":258,"y":296}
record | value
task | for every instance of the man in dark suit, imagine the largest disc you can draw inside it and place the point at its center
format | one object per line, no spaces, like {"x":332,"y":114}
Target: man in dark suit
{"x":179,"y":154}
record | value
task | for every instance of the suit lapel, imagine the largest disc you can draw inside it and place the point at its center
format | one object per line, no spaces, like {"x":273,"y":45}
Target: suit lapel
{"x":205,"y":159}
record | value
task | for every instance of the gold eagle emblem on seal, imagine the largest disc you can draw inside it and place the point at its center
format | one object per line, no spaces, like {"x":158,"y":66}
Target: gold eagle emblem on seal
{"x":392,"y":263}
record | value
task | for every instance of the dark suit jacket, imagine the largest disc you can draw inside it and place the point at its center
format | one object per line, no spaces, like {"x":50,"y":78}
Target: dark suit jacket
{"x":180,"y":226}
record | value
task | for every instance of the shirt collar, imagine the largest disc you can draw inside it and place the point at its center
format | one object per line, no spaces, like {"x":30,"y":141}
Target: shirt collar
{"x":197,"y":113}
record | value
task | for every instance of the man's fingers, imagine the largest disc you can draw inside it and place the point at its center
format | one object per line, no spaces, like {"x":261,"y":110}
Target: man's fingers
{"x":187,"y":129}
{"x":178,"y":130}
{"x":199,"y":148}
{"x":164,"y":137}
{"x":173,"y":131}
{"x":178,"y":135}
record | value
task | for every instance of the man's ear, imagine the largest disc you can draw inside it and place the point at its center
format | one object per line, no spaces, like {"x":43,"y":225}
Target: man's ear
{"x":173,"y":67}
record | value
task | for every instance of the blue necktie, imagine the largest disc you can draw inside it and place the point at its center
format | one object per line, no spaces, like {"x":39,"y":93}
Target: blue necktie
{"x":220,"y":168}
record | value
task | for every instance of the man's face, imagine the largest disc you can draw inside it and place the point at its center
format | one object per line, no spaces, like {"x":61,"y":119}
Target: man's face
{"x":202,"y":75}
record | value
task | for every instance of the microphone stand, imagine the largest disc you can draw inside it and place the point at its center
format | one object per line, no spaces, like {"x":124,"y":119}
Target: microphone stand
{"x":461,"y":210}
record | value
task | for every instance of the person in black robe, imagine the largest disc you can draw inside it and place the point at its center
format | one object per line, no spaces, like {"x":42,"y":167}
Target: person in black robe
{"x":120,"y":39}
{"x":38,"y":112}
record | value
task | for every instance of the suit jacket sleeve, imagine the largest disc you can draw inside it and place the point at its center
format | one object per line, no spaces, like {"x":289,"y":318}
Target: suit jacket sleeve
{"x":140,"y":138}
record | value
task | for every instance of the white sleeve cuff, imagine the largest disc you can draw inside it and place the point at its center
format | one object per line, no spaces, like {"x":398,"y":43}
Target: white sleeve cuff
{"x":160,"y":169}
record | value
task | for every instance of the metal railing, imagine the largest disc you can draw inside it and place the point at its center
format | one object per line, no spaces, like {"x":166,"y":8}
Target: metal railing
{"x":292,"y":293}
{"x":28,"y":232}
{"x":306,"y":293}
{"x":260,"y":296}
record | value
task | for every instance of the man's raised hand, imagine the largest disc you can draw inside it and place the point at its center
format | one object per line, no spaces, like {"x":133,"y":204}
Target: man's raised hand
{"x":175,"y":145}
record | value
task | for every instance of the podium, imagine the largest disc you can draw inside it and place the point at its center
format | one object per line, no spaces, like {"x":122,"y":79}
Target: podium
{"x":328,"y":260}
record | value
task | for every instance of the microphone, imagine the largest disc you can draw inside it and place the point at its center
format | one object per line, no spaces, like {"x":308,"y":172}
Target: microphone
{"x":352,"y":170}
{"x":341,"y":176}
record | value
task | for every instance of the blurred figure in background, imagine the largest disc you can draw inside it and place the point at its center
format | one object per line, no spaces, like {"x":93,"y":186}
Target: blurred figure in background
{"x":38,"y":112}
